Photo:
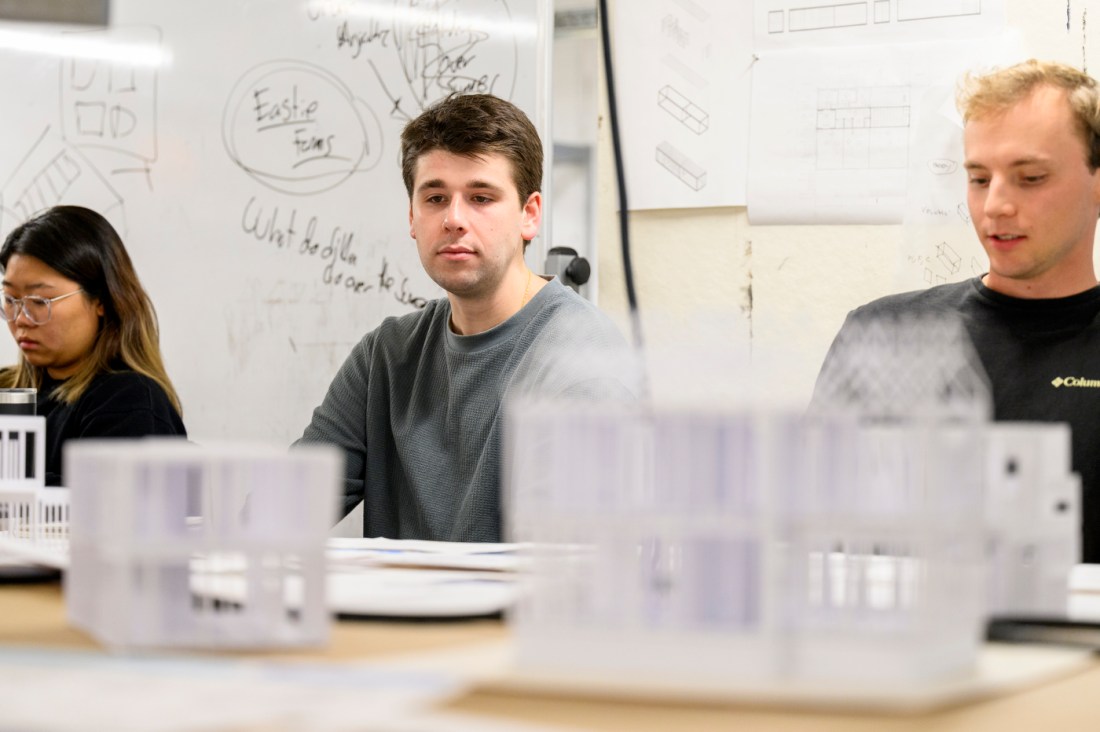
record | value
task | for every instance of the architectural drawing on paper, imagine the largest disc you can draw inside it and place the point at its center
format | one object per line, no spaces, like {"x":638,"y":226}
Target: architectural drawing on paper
{"x":828,"y":16}
{"x":683,"y":36}
{"x":675,"y":162}
{"x":834,"y":15}
{"x":775,"y":21}
{"x":882,"y":11}
{"x":694,"y":9}
{"x":683,"y":110}
{"x":924,"y":10}
{"x":863,"y":128}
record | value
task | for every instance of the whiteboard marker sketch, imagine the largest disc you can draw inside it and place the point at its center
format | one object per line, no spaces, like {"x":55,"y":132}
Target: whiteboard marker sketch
{"x":442,"y":46}
{"x":106,"y":106}
{"x":438,"y":40}
{"x":112,"y":105}
{"x":54,"y":172}
{"x":863,"y":128}
{"x":247,"y":152}
{"x":296,"y":128}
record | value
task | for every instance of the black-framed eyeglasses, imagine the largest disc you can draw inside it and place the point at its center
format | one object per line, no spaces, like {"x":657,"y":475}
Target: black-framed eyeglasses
{"x":37,"y":308}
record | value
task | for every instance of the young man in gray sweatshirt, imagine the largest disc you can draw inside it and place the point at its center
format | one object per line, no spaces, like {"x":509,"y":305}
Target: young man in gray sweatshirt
{"x":417,"y":405}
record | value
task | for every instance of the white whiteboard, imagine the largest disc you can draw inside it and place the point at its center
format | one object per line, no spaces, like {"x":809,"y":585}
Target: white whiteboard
{"x":248,"y":154}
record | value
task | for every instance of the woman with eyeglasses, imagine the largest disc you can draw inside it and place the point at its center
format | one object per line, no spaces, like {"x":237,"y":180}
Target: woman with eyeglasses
{"x":86,"y":331}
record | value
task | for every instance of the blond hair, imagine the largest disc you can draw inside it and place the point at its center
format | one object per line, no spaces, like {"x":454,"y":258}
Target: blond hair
{"x":980,"y":95}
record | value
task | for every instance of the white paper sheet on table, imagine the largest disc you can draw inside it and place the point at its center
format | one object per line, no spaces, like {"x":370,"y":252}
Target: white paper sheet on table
{"x":408,"y":578}
{"x":420,"y":593}
{"x":164,"y":694}
{"x":350,"y":552}
{"x":1084,"y":593}
{"x":379,"y":577}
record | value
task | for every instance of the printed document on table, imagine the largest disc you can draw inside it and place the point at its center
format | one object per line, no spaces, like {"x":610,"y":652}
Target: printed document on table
{"x":831,"y":127}
{"x":812,"y":23}
{"x":682,"y":78}
{"x":379,"y":590}
{"x":349,"y":553}
{"x":71,"y":691}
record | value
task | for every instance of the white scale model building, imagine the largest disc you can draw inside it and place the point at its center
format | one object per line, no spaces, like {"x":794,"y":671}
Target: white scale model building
{"x":176,"y":544}
{"x":34,"y":520}
{"x":864,"y":542}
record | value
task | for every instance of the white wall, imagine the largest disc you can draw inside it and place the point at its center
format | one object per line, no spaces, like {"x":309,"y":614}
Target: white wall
{"x":783,"y":290}
{"x":574,"y":94}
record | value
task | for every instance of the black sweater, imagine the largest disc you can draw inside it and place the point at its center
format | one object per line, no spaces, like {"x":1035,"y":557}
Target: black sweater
{"x":1043,"y":362}
{"x":115,"y":404}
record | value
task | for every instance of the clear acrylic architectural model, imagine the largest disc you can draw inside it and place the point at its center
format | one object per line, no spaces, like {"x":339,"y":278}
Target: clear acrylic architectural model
{"x":177,"y":544}
{"x":864,"y":542}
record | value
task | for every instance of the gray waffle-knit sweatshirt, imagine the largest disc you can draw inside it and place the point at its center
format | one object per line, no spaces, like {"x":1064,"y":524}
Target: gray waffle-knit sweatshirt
{"x":418,"y":411}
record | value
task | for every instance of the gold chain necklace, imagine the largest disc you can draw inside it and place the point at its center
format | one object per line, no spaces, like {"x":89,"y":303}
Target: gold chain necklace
{"x":526,"y":290}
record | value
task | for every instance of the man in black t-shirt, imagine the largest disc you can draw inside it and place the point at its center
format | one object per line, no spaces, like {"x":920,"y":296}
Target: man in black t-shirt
{"x":1032,"y":141}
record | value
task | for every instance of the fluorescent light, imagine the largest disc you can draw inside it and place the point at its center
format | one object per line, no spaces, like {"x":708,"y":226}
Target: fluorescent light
{"x":446,"y":22}
{"x":95,"y":46}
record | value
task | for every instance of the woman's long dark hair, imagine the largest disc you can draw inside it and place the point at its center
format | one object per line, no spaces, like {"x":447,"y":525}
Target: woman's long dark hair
{"x":82,"y":246}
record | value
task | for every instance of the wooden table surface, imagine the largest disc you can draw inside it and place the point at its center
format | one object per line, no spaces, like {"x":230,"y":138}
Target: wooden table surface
{"x":33,"y":615}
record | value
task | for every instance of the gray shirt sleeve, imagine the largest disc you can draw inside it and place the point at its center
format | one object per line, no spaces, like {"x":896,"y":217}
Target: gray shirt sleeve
{"x":341,"y":420}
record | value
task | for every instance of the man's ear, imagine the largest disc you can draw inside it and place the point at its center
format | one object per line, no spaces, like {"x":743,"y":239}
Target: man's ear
{"x":532,"y":216}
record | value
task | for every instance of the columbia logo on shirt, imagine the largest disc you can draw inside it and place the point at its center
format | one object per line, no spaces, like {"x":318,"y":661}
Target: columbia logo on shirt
{"x":1075,"y":381}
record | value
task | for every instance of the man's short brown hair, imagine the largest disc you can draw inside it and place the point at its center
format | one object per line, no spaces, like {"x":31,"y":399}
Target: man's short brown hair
{"x":474,"y":125}
{"x":983,"y":94}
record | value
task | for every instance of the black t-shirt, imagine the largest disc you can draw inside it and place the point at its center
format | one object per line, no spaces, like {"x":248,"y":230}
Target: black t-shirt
{"x":115,"y":404}
{"x":1042,"y":357}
